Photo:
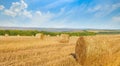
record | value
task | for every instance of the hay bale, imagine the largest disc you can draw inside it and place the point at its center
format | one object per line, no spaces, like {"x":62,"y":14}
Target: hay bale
{"x":98,"y":51}
{"x":48,"y":35}
{"x":57,"y":36}
{"x":18,"y":35}
{"x":40,"y":35}
{"x":6,"y":35}
{"x":64,"y":38}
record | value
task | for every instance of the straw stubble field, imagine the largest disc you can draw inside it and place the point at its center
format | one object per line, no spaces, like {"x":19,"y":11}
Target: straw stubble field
{"x":100,"y":50}
{"x":31,"y":51}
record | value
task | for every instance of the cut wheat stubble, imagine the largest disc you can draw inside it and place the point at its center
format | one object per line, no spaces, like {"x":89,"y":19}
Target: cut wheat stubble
{"x":97,"y":51}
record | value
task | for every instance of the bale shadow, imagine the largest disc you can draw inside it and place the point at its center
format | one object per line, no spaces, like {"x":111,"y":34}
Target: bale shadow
{"x":73,"y":55}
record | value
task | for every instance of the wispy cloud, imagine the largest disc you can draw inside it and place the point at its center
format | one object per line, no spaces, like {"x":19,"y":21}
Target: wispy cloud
{"x":58,"y":3}
{"x":103,"y":9}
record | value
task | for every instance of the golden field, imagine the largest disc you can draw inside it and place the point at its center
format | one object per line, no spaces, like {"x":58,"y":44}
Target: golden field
{"x":33,"y":51}
{"x":98,"y":50}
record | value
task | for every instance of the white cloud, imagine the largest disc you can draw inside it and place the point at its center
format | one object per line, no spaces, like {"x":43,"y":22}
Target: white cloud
{"x":10,"y":13}
{"x":27,"y":14}
{"x":116,"y":19}
{"x":18,"y":9}
{"x":42,"y":17}
{"x":23,"y":4}
{"x":38,"y":13}
{"x":36,"y":18}
{"x":1,"y":7}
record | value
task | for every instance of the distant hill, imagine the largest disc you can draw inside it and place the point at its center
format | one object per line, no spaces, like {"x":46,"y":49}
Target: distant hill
{"x":39,"y":29}
{"x":59,"y":29}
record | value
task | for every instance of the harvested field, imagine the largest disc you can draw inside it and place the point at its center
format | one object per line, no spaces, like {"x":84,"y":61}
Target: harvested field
{"x":32,"y":51}
{"x":98,"y":50}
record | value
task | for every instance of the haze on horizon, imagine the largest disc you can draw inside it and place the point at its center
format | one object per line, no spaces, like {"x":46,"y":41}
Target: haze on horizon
{"x":97,"y":14}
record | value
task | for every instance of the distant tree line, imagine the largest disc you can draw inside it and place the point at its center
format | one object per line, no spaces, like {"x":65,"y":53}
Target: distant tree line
{"x":70,"y":33}
{"x":34,"y":32}
{"x":19,"y":32}
{"x":114,"y":32}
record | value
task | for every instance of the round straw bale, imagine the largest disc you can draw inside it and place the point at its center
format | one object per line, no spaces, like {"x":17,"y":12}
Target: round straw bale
{"x":97,"y":51}
{"x":57,"y":36}
{"x":18,"y":35}
{"x":6,"y":35}
{"x":64,"y":38}
{"x":40,"y":35}
{"x":48,"y":35}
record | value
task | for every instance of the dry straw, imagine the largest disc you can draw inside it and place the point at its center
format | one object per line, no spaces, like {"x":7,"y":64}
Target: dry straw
{"x":64,"y":38}
{"x":98,"y":51}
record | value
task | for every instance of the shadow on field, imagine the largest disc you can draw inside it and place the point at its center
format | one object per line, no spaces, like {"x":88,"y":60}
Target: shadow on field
{"x":73,"y":55}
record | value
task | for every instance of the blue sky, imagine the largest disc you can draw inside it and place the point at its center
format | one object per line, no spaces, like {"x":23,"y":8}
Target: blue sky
{"x":97,"y":14}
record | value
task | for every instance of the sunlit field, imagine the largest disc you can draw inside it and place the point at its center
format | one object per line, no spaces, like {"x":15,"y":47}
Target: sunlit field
{"x":32,"y":51}
{"x":101,"y":50}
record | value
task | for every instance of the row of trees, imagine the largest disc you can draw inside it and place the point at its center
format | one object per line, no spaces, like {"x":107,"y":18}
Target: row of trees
{"x":34,"y":32}
{"x":115,"y":32}
{"x":19,"y":32}
{"x":70,"y":33}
